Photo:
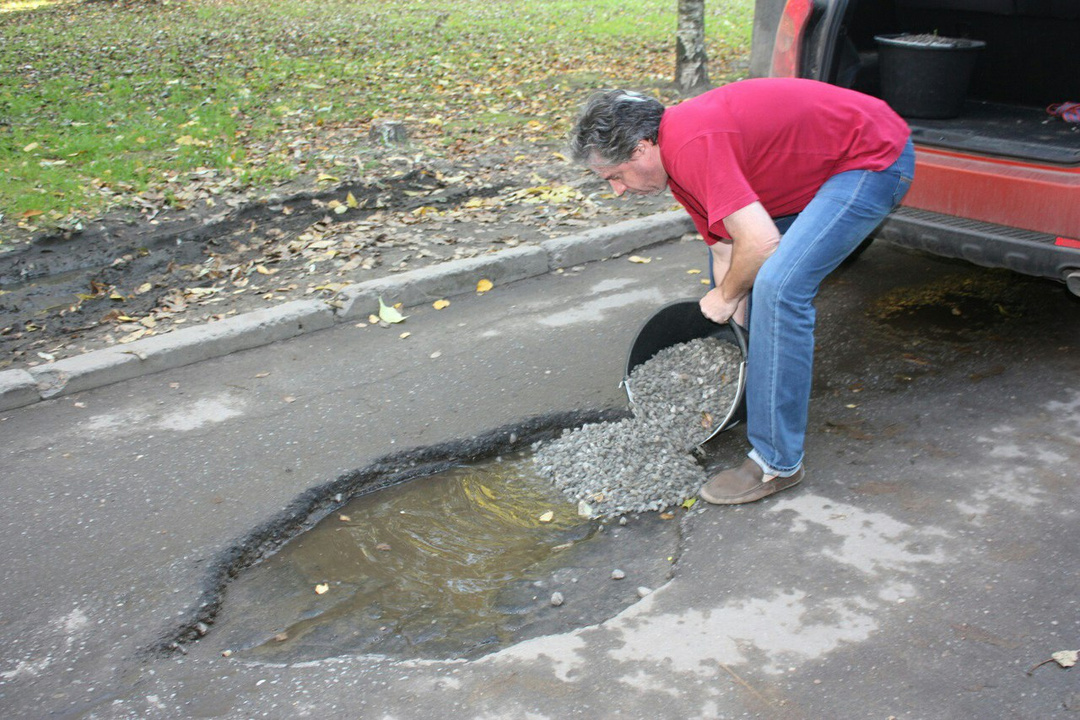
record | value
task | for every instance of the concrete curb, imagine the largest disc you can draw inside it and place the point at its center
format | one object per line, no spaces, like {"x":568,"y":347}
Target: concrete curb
{"x":95,"y":369}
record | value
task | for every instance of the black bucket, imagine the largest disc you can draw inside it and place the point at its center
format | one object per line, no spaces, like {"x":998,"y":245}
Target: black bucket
{"x":926,"y":79}
{"x":682,"y":322}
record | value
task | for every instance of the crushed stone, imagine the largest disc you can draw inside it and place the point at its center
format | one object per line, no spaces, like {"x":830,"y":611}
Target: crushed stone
{"x":647,"y":462}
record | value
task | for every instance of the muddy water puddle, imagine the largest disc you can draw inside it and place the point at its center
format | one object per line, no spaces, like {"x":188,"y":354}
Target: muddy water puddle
{"x":456,"y":564}
{"x":946,"y":307}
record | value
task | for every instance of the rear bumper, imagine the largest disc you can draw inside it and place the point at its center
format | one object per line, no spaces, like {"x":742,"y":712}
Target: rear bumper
{"x":1010,"y":193}
{"x":1023,"y":251}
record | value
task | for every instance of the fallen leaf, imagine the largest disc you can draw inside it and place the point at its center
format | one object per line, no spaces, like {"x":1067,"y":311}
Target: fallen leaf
{"x":322,"y":588}
{"x":383,"y":547}
{"x":689,"y":502}
{"x":440,"y":304}
{"x":1066,"y":658}
{"x":484,"y":285}
{"x":404,"y":335}
{"x":282,"y":637}
{"x":373,"y":319}
{"x":289,"y":399}
{"x":188,"y":140}
{"x":332,"y":287}
{"x":435,"y":355}
{"x":350,"y":265}
{"x":693,"y":272}
{"x":132,"y":337}
{"x":204,"y":291}
{"x":639,"y":259}
{"x":31,"y":147}
{"x":262,"y":374}
{"x":344,"y":518}
{"x":350,"y":200}
{"x":389,"y":314}
{"x":666,"y":516}
{"x":547,"y":517}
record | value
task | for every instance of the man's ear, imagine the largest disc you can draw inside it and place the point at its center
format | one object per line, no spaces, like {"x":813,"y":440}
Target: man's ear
{"x":643,"y":146}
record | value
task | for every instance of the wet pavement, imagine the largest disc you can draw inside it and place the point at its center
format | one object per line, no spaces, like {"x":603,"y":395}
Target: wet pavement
{"x":925,"y":566}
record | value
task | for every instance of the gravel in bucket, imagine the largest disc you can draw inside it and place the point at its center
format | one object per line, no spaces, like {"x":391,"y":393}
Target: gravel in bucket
{"x":647,"y":462}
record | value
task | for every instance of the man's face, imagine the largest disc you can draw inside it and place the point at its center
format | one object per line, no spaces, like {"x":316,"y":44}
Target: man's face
{"x":642,"y":174}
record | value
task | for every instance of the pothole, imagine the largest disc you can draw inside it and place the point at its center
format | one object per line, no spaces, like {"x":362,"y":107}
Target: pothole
{"x":467,"y":559}
{"x":452,"y":565}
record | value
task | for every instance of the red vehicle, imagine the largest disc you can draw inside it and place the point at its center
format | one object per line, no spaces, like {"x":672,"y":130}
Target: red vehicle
{"x":997,"y":180}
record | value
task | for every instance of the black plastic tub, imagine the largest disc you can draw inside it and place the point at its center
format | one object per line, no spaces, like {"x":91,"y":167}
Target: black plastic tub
{"x":681,"y":322}
{"x":924,"y":76}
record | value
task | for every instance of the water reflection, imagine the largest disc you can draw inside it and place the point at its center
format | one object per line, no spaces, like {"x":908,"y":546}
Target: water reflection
{"x":442,"y":565}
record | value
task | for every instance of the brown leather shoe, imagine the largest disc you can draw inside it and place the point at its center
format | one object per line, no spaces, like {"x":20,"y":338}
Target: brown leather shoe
{"x":744,"y":484}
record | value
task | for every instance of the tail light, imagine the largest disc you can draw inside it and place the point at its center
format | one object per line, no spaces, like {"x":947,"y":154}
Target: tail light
{"x":789,"y":38}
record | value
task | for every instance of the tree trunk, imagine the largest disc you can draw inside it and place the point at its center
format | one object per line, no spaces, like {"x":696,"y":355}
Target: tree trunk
{"x":691,"y":62}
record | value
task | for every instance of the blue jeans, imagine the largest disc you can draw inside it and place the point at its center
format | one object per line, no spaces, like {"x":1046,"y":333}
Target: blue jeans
{"x":843,"y":213}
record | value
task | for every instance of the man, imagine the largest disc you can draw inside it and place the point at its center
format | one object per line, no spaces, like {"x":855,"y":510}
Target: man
{"x":783,"y":178}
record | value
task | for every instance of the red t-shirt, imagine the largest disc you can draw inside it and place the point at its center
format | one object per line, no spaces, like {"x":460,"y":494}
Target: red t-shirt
{"x":775,"y":140}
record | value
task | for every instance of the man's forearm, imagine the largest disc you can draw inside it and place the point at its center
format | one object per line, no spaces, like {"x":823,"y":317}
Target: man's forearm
{"x":754,"y":239}
{"x":743,"y":269}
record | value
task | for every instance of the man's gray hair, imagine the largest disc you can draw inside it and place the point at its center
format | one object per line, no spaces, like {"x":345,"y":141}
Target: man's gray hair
{"x":611,"y":125}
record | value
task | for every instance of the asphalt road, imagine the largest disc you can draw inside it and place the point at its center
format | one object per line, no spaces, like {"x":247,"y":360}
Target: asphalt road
{"x":928,"y":562}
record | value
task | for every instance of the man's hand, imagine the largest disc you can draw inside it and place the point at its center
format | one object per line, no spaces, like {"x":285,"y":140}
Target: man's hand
{"x":754,"y":238}
{"x":718,"y":308}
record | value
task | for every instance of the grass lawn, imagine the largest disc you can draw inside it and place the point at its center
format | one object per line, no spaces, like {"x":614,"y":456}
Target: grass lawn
{"x":137,"y":103}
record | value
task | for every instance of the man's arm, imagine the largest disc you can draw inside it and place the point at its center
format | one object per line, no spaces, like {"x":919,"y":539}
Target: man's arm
{"x":754,"y":238}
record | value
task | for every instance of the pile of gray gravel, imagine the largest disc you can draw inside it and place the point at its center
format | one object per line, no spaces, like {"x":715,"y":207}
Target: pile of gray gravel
{"x":646,"y":462}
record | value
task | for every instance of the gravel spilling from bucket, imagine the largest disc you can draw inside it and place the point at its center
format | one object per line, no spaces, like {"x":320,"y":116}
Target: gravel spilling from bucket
{"x":646,"y":462}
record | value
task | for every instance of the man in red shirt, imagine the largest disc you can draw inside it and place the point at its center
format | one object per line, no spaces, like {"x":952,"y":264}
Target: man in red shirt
{"x":783,"y":178}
